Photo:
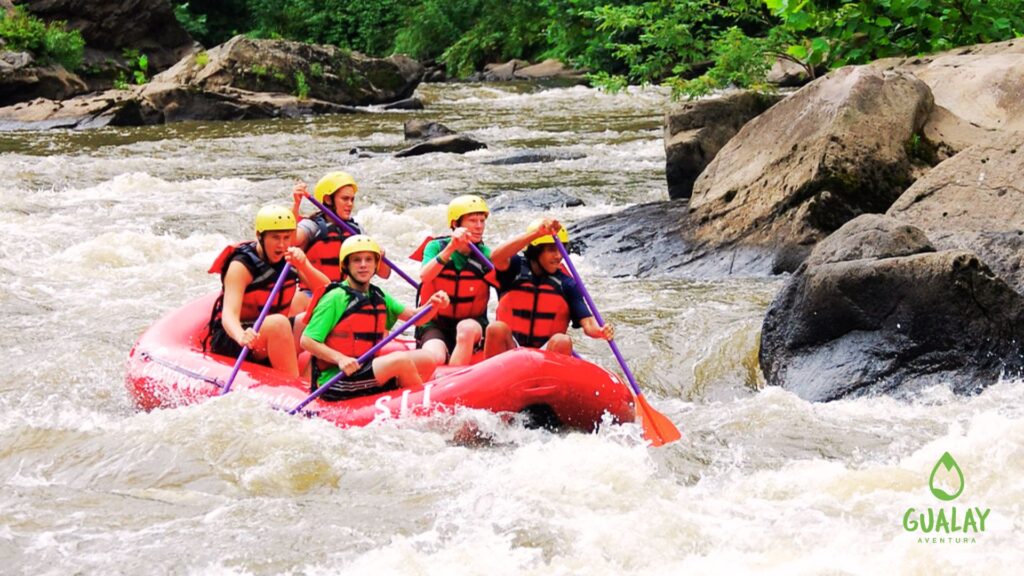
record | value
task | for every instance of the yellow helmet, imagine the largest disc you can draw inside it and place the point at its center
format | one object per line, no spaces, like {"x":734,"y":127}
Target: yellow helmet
{"x":462,"y":205}
{"x":358,"y":243}
{"x":274,"y":218}
{"x":330,"y":183}
{"x":546,"y":239}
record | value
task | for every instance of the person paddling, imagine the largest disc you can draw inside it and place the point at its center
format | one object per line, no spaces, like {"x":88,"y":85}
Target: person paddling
{"x":449,"y":266}
{"x":248,"y":272}
{"x":350,"y":316}
{"x":318,"y":235}
{"x":537,"y":300}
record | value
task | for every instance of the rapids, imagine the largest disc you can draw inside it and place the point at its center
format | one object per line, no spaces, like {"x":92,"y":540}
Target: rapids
{"x":105,"y":231}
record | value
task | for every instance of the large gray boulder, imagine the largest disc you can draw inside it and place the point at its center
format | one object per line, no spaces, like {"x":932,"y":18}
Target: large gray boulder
{"x":111,"y":108}
{"x":21,"y":79}
{"x":319,"y":72}
{"x":978,"y":89}
{"x":695,"y":132}
{"x":451,"y":144}
{"x":176,"y":103}
{"x":975,"y":201}
{"x":241,"y":79}
{"x":835,"y":149}
{"x":876,"y":310}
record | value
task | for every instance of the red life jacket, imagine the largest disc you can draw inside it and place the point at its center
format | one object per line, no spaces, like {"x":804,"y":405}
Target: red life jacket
{"x":535,"y":309}
{"x":323,"y":252}
{"x":264,"y":276}
{"x":362,"y":324}
{"x":468,"y":289}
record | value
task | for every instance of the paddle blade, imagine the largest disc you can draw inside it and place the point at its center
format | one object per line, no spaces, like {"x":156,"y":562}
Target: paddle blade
{"x":658,"y":429}
{"x":418,"y":253}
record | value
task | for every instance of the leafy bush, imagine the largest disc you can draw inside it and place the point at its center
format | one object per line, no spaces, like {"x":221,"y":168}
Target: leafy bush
{"x":739,"y":61}
{"x":862,"y":31}
{"x":364,"y":25}
{"x":194,"y":24}
{"x":301,"y":86}
{"x":51,"y":42}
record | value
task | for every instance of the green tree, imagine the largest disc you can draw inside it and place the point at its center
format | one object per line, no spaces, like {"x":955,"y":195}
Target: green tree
{"x":465,"y":34}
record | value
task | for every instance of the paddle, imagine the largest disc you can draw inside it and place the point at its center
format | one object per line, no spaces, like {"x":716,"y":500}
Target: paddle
{"x":345,"y":226}
{"x":657,"y":428}
{"x":256,"y":327}
{"x":369,"y":354}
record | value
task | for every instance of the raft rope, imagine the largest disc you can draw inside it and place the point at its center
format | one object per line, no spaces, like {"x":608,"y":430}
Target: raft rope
{"x":182,"y":370}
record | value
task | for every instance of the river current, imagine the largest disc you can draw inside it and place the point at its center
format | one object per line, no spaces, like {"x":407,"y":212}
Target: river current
{"x":106,"y":231}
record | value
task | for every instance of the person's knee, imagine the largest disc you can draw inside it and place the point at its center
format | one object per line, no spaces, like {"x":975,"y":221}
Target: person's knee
{"x":498,"y":330}
{"x":404,"y":364}
{"x":423,"y":358}
{"x":437,"y":350}
{"x":276,"y":326}
{"x":560,"y":343}
{"x":468,"y":331}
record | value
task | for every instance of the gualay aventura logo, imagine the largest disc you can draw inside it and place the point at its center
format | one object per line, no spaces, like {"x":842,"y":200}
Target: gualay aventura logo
{"x":942,"y":525}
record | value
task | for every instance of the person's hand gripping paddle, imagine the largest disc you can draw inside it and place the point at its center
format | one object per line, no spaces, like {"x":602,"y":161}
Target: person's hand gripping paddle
{"x":658,"y":429}
{"x":256,"y":327}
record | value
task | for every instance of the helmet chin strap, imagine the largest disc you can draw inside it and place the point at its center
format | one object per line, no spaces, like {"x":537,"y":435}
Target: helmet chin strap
{"x":259,"y":244}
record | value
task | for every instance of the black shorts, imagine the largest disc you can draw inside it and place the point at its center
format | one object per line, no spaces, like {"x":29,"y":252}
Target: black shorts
{"x":221,"y":343}
{"x":445,"y":329}
{"x":362,"y":382}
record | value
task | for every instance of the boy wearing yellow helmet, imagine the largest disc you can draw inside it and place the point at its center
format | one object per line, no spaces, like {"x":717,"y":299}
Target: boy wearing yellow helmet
{"x":449,"y":266}
{"x":536,"y":299}
{"x":318,"y":235}
{"x":248,"y":273}
{"x":350,"y":317}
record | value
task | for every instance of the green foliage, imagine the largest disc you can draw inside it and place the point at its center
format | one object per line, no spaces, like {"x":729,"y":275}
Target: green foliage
{"x":740,"y":61}
{"x":430,"y":26}
{"x":573,"y":37}
{"x":194,"y":24}
{"x":51,"y":42}
{"x":862,"y":31}
{"x":138,"y":65}
{"x":364,"y":25}
{"x":301,"y":86}
{"x":466,"y":34}
{"x":215,"y":21}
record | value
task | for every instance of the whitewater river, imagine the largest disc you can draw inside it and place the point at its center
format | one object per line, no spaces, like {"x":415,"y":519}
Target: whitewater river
{"x":104,"y":232}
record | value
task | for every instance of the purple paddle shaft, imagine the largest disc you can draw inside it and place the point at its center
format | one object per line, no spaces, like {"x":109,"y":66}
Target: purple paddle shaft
{"x":369,"y":354}
{"x":256,"y":327}
{"x":348,"y":228}
{"x":597,"y":315}
{"x":483,"y":259}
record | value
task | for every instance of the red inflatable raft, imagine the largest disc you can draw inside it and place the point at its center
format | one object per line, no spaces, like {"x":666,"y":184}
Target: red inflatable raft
{"x":168,"y":368}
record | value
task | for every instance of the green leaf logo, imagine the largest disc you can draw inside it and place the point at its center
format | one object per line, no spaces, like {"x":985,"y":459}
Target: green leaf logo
{"x":949,"y":464}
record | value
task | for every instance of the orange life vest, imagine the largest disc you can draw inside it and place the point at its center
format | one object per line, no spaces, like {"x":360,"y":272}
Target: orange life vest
{"x":535,"y":309}
{"x":323,"y":252}
{"x":264,"y":276}
{"x":362,"y":324}
{"x":468,"y":289}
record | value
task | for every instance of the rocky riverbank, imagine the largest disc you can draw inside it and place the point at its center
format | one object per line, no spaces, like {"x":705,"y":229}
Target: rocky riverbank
{"x":929,"y":293}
